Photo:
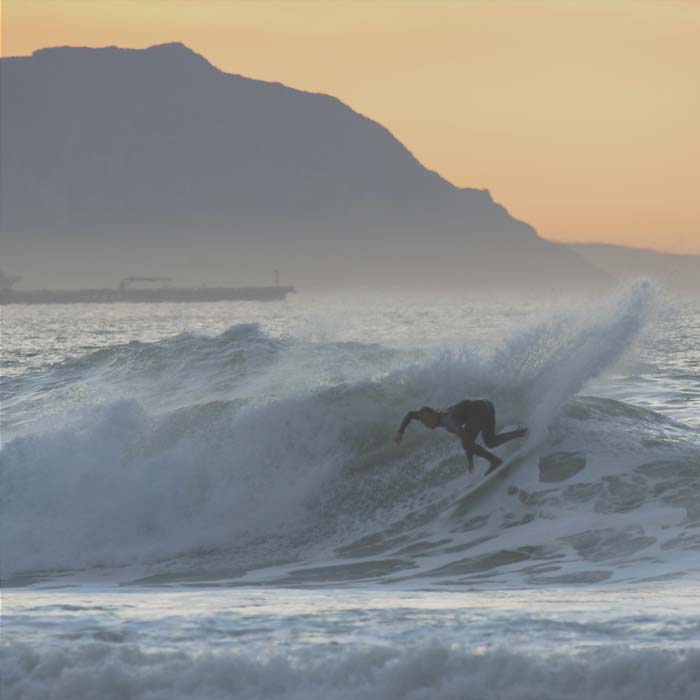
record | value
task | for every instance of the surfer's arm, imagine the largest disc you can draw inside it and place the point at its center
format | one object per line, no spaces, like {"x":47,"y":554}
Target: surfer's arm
{"x":411,"y":415}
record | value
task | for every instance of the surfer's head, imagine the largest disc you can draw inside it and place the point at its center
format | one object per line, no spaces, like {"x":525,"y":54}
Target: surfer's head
{"x":429,"y":417}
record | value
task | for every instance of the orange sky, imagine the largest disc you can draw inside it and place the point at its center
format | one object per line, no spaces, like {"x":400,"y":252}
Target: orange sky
{"x":581,"y":117}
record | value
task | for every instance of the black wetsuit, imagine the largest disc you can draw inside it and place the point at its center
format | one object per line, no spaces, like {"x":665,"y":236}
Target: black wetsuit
{"x":472,"y":418}
{"x":466,"y":420}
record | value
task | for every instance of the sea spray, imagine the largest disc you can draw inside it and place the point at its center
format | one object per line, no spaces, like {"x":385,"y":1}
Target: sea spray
{"x":586,"y":347}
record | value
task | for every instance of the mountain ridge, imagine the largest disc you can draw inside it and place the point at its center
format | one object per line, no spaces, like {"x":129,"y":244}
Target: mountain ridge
{"x":113,"y":158}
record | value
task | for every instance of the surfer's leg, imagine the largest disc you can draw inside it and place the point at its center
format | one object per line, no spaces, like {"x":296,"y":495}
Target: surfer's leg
{"x":478,"y":450}
{"x":497,"y":440}
{"x":488,"y":429}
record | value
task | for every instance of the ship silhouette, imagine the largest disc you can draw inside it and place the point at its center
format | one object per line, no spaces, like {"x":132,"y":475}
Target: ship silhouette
{"x":130,"y":291}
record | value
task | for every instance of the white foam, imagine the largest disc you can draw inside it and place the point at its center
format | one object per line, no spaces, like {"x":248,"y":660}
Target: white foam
{"x":432,"y":671}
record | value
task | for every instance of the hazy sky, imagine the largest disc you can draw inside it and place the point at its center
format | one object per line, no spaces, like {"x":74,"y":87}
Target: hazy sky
{"x":581,"y":117}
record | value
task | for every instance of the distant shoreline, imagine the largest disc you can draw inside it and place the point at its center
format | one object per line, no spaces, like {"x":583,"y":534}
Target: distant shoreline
{"x":148,"y":296}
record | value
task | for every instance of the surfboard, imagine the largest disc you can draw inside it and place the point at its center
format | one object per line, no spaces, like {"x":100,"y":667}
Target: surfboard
{"x":490,"y":481}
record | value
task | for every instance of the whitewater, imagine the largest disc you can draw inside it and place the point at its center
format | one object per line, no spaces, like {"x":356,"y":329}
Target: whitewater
{"x":207,"y":501}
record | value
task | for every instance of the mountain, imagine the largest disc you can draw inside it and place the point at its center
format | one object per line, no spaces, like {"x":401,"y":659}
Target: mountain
{"x":118,"y":161}
{"x":677,"y":272}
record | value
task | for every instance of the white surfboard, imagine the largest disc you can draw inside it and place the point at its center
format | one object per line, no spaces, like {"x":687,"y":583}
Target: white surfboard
{"x":491,"y":480}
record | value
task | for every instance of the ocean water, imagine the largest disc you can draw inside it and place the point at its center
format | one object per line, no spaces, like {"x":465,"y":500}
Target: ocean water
{"x":207,"y":501}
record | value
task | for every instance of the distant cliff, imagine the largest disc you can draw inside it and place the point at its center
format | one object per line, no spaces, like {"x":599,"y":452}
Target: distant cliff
{"x":152,"y":161}
{"x":678,"y":272}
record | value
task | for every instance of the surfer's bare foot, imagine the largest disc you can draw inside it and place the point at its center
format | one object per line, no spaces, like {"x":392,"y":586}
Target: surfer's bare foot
{"x":522,"y":432}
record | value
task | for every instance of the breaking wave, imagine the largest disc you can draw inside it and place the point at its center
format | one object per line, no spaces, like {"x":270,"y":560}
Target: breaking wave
{"x":263,"y":458}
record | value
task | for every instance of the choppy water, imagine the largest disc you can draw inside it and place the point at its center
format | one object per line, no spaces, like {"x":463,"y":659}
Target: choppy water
{"x":227,"y":462}
{"x":545,"y":644}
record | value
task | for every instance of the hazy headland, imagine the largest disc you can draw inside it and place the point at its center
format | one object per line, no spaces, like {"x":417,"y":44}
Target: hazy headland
{"x":152,"y":161}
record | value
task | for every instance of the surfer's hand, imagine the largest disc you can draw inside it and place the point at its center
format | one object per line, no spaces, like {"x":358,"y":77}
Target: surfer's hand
{"x":397,"y":439}
{"x":471,"y":466}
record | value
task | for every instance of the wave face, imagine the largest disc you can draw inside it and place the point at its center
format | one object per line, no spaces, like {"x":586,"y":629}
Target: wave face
{"x":253,"y":457}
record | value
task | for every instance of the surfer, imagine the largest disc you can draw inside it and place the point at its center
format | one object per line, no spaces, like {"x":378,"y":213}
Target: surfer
{"x":466,"y":420}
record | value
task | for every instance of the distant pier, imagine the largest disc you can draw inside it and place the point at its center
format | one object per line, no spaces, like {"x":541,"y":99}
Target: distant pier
{"x":145,"y":296}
